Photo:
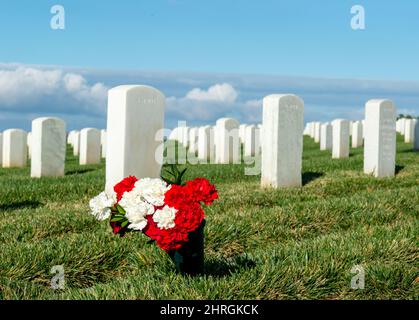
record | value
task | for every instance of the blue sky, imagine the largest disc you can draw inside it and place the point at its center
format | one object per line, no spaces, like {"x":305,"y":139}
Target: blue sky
{"x":255,"y":47}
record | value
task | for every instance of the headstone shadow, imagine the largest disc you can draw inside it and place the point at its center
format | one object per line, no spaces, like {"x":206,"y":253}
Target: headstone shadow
{"x":26,"y":204}
{"x":78,"y":171}
{"x":222,"y":267}
{"x":311,"y":176}
{"x":398,"y":169}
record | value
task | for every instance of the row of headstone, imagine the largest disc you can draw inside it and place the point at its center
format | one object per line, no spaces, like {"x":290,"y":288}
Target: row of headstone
{"x":409,"y":129}
{"x":377,"y":132}
{"x":220,"y":143}
{"x":341,"y":131}
{"x":89,"y":144}
{"x":133,"y":140}
{"x":45,"y":145}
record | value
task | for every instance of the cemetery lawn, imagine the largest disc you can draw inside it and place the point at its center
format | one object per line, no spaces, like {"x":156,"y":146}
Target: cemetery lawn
{"x":260,"y":244}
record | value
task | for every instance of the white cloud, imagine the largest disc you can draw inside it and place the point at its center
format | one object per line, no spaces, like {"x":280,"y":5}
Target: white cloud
{"x":23,"y":87}
{"x":224,"y":92}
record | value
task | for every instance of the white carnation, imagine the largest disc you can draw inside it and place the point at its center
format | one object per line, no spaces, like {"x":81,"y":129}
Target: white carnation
{"x":136,"y":209}
{"x":165,"y":217}
{"x":100,"y":206}
{"x":152,"y":190}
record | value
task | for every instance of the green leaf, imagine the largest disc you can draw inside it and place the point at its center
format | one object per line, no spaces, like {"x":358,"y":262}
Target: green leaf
{"x":120,"y":209}
{"x":124,"y":224}
{"x":117,"y":218}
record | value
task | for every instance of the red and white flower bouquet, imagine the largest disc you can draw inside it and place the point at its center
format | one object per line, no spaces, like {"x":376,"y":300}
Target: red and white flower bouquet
{"x":168,"y":212}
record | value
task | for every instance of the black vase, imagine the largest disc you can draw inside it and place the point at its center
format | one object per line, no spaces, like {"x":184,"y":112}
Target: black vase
{"x":189,"y":259}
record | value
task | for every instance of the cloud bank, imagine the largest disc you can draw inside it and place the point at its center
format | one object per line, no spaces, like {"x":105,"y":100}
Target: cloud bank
{"x":79,"y":96}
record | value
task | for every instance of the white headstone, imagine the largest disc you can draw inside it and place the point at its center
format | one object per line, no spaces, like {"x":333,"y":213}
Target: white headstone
{"x":15,"y":149}
{"x":416,"y":138}
{"x":48,"y":147}
{"x":398,"y":125}
{"x":29,"y":144}
{"x":70,"y":137}
{"x":317,"y":132}
{"x":363,"y":129}
{"x":89,"y":146}
{"x":250,"y":141}
{"x":175,"y":134}
{"x":402,"y":125}
{"x":380,"y":138}
{"x":259,"y":131}
{"x":206,"y":148}
{"x":357,"y":134}
{"x":312,"y":129}
{"x":409,"y":130}
{"x":76,"y":143}
{"x":134,"y":133}
{"x":185,"y":136}
{"x":103,"y":142}
{"x":1,"y":149}
{"x":326,"y":136}
{"x":242,"y":132}
{"x":193,"y":140}
{"x":283,"y":121}
{"x":227,"y":141}
{"x":340,"y":147}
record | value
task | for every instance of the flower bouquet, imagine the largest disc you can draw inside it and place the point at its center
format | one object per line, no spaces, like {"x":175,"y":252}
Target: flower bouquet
{"x":169,"y":212}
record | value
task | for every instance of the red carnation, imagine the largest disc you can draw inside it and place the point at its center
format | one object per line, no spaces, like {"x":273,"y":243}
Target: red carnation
{"x":177,"y":197}
{"x":125,"y":185}
{"x":201,"y":190}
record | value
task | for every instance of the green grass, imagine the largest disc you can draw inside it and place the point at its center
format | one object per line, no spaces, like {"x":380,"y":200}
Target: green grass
{"x":260,"y":244}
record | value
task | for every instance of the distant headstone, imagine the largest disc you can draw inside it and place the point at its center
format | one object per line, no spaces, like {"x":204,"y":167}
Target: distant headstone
{"x":398,"y":125}
{"x":15,"y":149}
{"x":312,"y":129}
{"x":1,"y":149}
{"x":326,"y":136}
{"x":48,"y":147}
{"x":29,"y":144}
{"x":227,"y":141}
{"x":134,"y":133}
{"x":380,"y":138}
{"x":103,"y":142}
{"x":242,"y":132}
{"x":250,"y":141}
{"x":402,"y":125}
{"x":357,"y":134}
{"x":416,"y":138}
{"x":282,"y":141}
{"x":409,"y":130}
{"x":206,"y":147}
{"x":193,"y":140}
{"x":340,"y":145}
{"x":76,"y":143}
{"x":89,"y":146}
{"x":363,"y":129}
{"x":175,"y":134}
{"x":185,"y":136}
{"x":317,"y":132}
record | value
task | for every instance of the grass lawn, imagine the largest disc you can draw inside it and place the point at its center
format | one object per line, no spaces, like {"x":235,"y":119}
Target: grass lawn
{"x":260,"y":244}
